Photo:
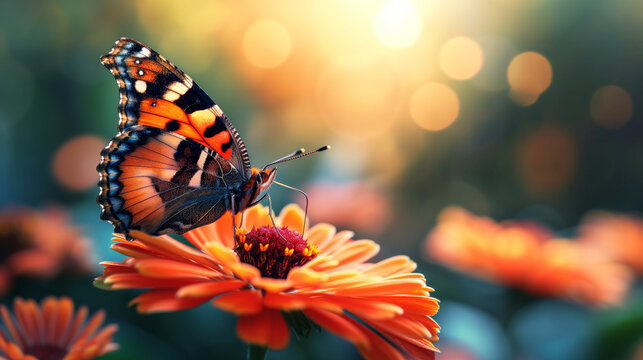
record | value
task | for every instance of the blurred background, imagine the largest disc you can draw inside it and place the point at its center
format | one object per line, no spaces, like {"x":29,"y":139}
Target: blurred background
{"x":469,"y":135}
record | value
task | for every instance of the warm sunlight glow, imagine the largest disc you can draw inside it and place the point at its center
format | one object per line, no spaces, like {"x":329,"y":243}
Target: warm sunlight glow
{"x":611,"y":107}
{"x":266,"y":44}
{"x":357,"y":96}
{"x":434,"y":106}
{"x":529,"y":74}
{"x":397,"y":24}
{"x":461,"y":58}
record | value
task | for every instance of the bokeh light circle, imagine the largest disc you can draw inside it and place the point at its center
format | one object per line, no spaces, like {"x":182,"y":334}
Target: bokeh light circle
{"x":397,"y":24}
{"x":529,"y":74}
{"x":434,"y":106}
{"x":74,"y":164}
{"x":266,"y":44}
{"x":611,"y":107}
{"x":461,"y":58}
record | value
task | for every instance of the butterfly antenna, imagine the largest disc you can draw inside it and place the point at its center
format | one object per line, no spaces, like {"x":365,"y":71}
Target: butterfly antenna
{"x":296,"y":155}
{"x":303,"y":231}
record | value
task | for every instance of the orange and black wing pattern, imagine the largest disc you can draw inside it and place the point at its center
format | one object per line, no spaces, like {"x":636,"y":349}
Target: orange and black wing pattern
{"x":158,"y":182}
{"x":155,"y":93}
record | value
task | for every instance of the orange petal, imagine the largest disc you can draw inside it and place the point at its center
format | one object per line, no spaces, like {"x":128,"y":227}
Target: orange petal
{"x":163,"y":301}
{"x":385,"y":287}
{"x":379,"y":348}
{"x":320,"y":234}
{"x":304,"y":277}
{"x":138,"y":281}
{"x":241,"y":302}
{"x":295,"y":301}
{"x":292,"y":217}
{"x":337,"y":241}
{"x":63,"y":314}
{"x":356,"y":252}
{"x":209,"y":289}
{"x":322,"y":263}
{"x":403,"y":327}
{"x":412,"y":304}
{"x":365,"y":308}
{"x":72,"y":327}
{"x":338,"y":325}
{"x":222,"y":254}
{"x":271,"y":285}
{"x":173,"y":249}
{"x":267,"y":328}
{"x":224,"y":231}
{"x":170,"y":269}
{"x":11,"y":326}
{"x":255,"y":217}
{"x":393,"y":265}
{"x":245,"y":271}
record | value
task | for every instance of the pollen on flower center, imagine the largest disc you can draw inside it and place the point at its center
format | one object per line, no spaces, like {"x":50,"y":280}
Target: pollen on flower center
{"x":273,"y":255}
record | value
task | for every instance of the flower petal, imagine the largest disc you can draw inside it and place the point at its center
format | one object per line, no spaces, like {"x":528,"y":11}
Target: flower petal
{"x":271,"y":285}
{"x":241,"y":302}
{"x":356,"y":252}
{"x":170,"y":269}
{"x":320,"y":234}
{"x":393,"y":265}
{"x":292,"y":217}
{"x":385,"y":287}
{"x":267,"y":328}
{"x":256,"y":217}
{"x":138,"y":281}
{"x":364,"y":307}
{"x":337,"y":241}
{"x":338,"y":325}
{"x":209,"y":289}
{"x":155,"y":301}
{"x":304,"y":277}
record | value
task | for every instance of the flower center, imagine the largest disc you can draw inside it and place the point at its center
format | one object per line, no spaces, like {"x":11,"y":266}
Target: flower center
{"x":271,"y":253}
{"x":46,"y":352}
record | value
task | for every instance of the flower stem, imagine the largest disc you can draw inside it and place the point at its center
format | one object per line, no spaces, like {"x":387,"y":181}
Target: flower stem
{"x":257,"y":352}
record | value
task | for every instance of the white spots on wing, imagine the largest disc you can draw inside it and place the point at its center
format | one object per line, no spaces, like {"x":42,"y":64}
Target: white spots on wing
{"x":140,"y":86}
{"x":171,"y":96}
{"x":146,"y":52}
{"x":178,"y":87}
{"x":202,"y":158}
{"x":141,"y":73}
{"x":196,"y":179}
{"x":217,"y":110}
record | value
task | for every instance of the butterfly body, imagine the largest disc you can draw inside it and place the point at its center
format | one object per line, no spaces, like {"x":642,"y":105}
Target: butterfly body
{"x":177,"y":162}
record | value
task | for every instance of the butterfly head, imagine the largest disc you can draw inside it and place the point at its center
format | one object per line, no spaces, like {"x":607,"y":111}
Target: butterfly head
{"x":264,"y":179}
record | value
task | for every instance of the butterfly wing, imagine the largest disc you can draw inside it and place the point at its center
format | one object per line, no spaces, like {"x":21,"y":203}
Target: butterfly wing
{"x":158,"y":181}
{"x":156,"y":93}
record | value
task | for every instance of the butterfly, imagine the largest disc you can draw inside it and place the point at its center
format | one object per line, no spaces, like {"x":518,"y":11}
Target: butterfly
{"x":177,"y":162}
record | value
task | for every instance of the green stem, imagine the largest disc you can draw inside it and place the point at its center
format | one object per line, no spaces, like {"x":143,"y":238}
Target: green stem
{"x":257,"y":352}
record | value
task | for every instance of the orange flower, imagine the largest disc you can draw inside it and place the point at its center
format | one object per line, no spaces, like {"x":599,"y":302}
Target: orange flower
{"x":616,"y":234}
{"x":53,"y":331}
{"x":525,"y":255}
{"x":39,"y":244}
{"x":383,"y":308}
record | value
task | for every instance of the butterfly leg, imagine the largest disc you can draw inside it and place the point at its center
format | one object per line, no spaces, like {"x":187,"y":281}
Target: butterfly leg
{"x":273,"y":219}
{"x":234,"y":226}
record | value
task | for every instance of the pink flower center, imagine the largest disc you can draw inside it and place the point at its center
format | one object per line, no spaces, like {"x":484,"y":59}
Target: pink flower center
{"x":272,"y":254}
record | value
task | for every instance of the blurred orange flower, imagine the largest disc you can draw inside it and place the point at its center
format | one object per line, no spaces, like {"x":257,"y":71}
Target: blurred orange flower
{"x":383,"y":308}
{"x":39,"y":244}
{"x":525,"y":255}
{"x":369,"y":209}
{"x":617,"y":234}
{"x":53,"y":331}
